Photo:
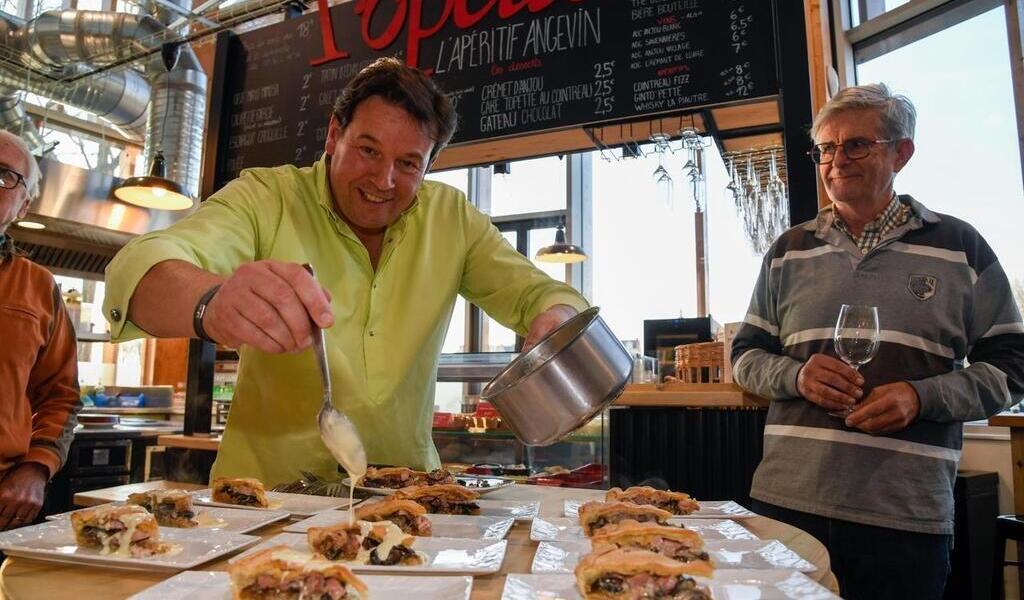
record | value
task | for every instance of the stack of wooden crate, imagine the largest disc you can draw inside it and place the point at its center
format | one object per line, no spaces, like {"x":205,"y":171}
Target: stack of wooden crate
{"x":701,"y":363}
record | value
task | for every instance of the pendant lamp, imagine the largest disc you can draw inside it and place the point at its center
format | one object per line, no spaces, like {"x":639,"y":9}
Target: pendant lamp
{"x":560,"y":251}
{"x":155,"y":190}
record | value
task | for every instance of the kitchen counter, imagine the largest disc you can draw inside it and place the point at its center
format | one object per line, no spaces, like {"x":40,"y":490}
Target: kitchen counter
{"x":125,"y":431}
{"x":689,"y":395}
{"x":22,"y":578}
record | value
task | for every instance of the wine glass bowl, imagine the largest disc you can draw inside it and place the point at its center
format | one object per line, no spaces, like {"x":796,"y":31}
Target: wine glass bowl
{"x":856,"y":338}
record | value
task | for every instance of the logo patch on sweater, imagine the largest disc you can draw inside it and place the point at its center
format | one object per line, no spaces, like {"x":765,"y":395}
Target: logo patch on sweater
{"x":922,"y":286}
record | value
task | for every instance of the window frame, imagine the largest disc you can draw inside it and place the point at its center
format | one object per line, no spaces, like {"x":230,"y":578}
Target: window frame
{"x":915,"y":20}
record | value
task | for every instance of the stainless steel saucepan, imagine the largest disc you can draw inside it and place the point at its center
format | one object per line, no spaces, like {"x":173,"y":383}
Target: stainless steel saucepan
{"x":562,"y":382}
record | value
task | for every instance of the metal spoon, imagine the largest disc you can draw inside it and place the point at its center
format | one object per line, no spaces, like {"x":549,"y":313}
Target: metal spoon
{"x":336,"y":430}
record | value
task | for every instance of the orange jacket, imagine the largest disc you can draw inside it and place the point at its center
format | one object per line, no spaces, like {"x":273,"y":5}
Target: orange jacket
{"x":39,"y":397}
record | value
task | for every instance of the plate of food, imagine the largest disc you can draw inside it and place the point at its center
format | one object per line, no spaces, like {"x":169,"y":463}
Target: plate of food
{"x":386,"y":480}
{"x":709,"y":509}
{"x":216,"y":585}
{"x":248,"y":493}
{"x":679,"y":544}
{"x":122,"y":537}
{"x":547,"y":529}
{"x":174,"y":509}
{"x":381,"y":546}
{"x":449,"y":499}
{"x":731,"y":584}
{"x":413,"y":520}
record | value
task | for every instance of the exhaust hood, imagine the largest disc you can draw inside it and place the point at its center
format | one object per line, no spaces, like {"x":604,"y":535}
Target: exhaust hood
{"x":85,"y":225}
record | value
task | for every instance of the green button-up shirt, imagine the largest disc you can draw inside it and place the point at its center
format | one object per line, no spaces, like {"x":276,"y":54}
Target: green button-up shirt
{"x":389,"y":323}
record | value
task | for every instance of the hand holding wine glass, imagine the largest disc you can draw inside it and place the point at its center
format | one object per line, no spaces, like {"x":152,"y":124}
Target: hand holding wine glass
{"x":856,"y":338}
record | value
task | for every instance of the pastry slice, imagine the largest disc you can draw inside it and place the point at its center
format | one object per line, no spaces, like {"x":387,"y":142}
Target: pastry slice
{"x":125,"y":530}
{"x":240,"y":491}
{"x":596,"y":515}
{"x":683,"y":545}
{"x":280,"y":573}
{"x":442,"y":499}
{"x":406,"y":514}
{"x":172,"y":508}
{"x":400,"y":477}
{"x":676,"y":503}
{"x":631,"y":574}
{"x":385,"y":544}
{"x":337,"y":542}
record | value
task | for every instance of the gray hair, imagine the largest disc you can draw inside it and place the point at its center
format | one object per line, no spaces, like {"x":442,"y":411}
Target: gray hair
{"x":896,"y":112}
{"x":33,"y":175}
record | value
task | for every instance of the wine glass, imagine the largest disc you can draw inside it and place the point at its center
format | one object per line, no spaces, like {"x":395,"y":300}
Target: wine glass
{"x":856,"y":338}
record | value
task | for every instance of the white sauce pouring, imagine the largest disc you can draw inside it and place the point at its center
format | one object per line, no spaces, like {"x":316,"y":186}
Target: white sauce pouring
{"x":342,"y":440}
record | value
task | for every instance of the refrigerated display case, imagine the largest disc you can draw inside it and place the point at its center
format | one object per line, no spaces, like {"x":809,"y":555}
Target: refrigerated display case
{"x":469,"y":434}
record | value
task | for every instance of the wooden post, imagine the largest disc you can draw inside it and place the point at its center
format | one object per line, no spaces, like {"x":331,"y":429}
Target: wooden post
{"x":819,"y":63}
{"x":700,"y":225}
{"x":1015,"y":37}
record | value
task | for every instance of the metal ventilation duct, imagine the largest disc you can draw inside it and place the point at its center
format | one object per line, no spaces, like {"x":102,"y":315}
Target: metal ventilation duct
{"x":14,"y":119}
{"x":176,"y":117}
{"x":73,"y":42}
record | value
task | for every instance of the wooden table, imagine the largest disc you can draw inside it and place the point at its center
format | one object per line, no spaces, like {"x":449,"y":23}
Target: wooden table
{"x":1015,"y":421}
{"x":22,"y":578}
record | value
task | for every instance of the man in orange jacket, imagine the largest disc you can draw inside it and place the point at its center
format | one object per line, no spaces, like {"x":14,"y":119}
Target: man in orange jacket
{"x":38,"y":360}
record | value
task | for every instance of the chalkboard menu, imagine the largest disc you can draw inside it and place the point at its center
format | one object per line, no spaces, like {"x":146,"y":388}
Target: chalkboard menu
{"x":511,"y":66}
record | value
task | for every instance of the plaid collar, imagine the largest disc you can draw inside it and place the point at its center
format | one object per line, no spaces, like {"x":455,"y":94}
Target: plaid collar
{"x":894,"y":215}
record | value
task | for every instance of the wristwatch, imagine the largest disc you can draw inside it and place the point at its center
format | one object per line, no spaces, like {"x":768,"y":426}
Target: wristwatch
{"x":200,"y":312}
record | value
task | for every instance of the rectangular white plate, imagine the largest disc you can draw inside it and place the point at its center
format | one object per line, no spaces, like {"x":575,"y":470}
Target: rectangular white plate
{"x":446,"y":526}
{"x":562,"y":556}
{"x":297,"y":505}
{"x":732,"y":584}
{"x":520,"y":510}
{"x":55,"y":541}
{"x":564,"y":528}
{"x":215,"y":518}
{"x":216,"y":585}
{"x":442,"y":555}
{"x":709,"y":509}
{"x":480,"y":485}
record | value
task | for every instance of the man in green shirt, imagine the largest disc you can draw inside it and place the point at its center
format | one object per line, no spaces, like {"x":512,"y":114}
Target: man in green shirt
{"x":391,"y":253}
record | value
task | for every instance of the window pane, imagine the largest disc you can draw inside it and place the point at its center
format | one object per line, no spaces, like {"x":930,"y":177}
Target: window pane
{"x":83,"y":150}
{"x":862,"y":10}
{"x":455,"y":341}
{"x":967,"y":158}
{"x":12,"y":7}
{"x":532,"y":186}
{"x":497,"y":337}
{"x":41,"y":6}
{"x":457,"y":178}
{"x":644,"y":259}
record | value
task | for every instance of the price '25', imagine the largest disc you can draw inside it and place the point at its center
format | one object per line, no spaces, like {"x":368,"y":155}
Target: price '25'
{"x":604,"y":105}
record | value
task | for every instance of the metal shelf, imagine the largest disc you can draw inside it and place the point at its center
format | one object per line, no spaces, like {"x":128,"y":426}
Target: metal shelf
{"x":472,"y":367}
{"x":83,"y":336}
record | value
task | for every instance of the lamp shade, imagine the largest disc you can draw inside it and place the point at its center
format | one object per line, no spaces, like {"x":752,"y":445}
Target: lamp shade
{"x":560,"y":251}
{"x":153,"y":190}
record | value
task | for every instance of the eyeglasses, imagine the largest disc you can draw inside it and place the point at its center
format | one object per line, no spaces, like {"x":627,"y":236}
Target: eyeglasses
{"x":10,"y":179}
{"x":854,"y":149}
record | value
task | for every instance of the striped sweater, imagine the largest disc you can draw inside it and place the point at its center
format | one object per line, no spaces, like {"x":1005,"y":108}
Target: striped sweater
{"x":942,"y":299}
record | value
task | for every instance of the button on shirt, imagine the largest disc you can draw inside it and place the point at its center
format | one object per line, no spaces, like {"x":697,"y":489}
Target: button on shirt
{"x":895,"y":214}
{"x":389,"y":323}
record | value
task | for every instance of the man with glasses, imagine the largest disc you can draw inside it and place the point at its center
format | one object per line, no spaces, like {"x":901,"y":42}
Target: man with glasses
{"x":876,"y":486}
{"x":38,"y":356}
